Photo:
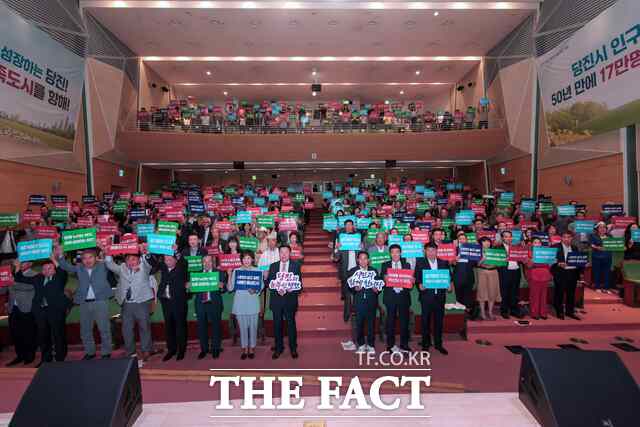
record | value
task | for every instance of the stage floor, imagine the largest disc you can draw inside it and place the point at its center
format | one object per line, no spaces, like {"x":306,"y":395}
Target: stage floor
{"x":441,"y":409}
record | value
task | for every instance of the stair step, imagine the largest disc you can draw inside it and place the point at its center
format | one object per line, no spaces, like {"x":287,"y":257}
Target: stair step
{"x":321,"y":298}
{"x":322,"y":320}
{"x":321,"y":274}
{"x":309,"y":282}
{"x":314,"y":268}
{"x":316,"y":258}
{"x":317,"y":244}
{"x":317,"y":251}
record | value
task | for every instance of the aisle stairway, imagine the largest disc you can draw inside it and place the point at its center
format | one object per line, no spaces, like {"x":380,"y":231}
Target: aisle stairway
{"x":320,"y":311}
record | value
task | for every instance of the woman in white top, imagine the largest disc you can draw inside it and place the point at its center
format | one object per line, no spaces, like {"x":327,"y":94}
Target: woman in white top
{"x":246,"y":306}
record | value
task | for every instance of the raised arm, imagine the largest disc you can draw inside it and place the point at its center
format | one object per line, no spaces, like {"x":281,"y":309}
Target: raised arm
{"x":111,"y":265}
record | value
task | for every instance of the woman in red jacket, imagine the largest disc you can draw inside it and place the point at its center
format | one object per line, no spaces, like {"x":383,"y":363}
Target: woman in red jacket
{"x":538,"y":276}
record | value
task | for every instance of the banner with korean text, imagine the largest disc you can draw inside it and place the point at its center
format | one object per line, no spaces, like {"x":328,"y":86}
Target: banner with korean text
{"x":589,"y":81}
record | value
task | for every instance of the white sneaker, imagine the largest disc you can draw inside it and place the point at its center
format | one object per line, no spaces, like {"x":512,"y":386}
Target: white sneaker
{"x":370,"y":350}
{"x":362,"y":349}
{"x":395,"y":349}
{"x":348,"y":345}
{"x":140,"y":363}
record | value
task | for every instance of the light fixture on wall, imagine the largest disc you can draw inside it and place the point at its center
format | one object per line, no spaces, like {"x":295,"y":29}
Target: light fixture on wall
{"x":568,"y":180}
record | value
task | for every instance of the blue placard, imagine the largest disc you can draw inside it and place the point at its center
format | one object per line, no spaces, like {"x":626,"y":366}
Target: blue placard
{"x":259,"y":201}
{"x":614,"y":209}
{"x":395,"y":239}
{"x":412,"y":249}
{"x":544,"y":237}
{"x":543,"y":255}
{"x":584,"y":226}
{"x":506,"y":196}
{"x":423,"y":225}
{"x":471,"y":251}
{"x":420,"y":189}
{"x":450,"y":187}
{"x":516,"y":236}
{"x":360,"y":198}
{"x":161,"y":244}
{"x":196,"y":207}
{"x":388,"y":223}
{"x":327,"y":195}
{"x":243,"y":217}
{"x":274,"y":197}
{"x":237,"y":201}
{"x":36,"y":199}
{"x":136,"y":214}
{"x":577,"y":259}
{"x":465,"y":217}
{"x":408,"y":219}
{"x":249,"y":193}
{"x":527,"y":206}
{"x":338,"y":187}
{"x":330,"y":224}
{"x":344,"y":218}
{"x":246,"y":280}
{"x":143,"y":230}
{"x":566,"y":210}
{"x":354,"y":190}
{"x":635,"y":235}
{"x":429,"y":193}
{"x":436,"y":279}
{"x":363,"y":223}
{"x":32,"y":250}
{"x":349,"y":242}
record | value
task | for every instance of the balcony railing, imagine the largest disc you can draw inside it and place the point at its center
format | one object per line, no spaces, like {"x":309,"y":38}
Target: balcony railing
{"x":335,"y":128}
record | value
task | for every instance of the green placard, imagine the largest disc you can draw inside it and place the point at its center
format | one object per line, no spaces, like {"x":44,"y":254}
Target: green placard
{"x":59,"y":214}
{"x":9,"y":219}
{"x":299,"y":198}
{"x":471,"y":237}
{"x":267,"y":221}
{"x":203,"y":282}
{"x":403,"y":228}
{"x":81,"y":238}
{"x":371,"y":205}
{"x":230,"y":191}
{"x":447,"y":222}
{"x":377,"y":258}
{"x":401,"y":197}
{"x":504,"y":203}
{"x":421,"y":207}
{"x":288,"y":215}
{"x":168,"y":227}
{"x":194,"y":263}
{"x":248,"y":243}
{"x":613,"y":244}
{"x":495,"y":257}
{"x":545,"y":207}
{"x":371,"y":234}
{"x":120,"y":206}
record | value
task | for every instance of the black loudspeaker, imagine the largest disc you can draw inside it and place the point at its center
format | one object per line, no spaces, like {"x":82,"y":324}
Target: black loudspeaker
{"x":238,"y":165}
{"x":316,"y":87}
{"x":93,"y":393}
{"x":567,"y":388}
{"x":389,"y":163}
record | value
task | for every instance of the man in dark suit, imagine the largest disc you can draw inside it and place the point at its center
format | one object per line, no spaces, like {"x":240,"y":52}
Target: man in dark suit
{"x":565,"y":279}
{"x":346,"y":261}
{"x":397,"y":302}
{"x":193,"y":247}
{"x":431,"y":300}
{"x":172,"y":292}
{"x":22,"y":325}
{"x":284,"y":304}
{"x":208,"y":306}
{"x":365,"y":301}
{"x":49,"y":307}
{"x":509,"y":277}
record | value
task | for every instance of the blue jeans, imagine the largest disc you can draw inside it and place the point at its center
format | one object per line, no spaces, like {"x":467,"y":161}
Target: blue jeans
{"x":601,"y":271}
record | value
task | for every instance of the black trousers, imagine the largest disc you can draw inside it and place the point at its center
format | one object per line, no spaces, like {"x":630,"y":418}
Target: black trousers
{"x":365,"y":315}
{"x":51,"y":332}
{"x":175,"y":325}
{"x":564,"y":289}
{"x":209,"y":313}
{"x":22,"y":328}
{"x":432,"y":305}
{"x":400,"y":311}
{"x":280,"y":315}
{"x":509,"y":290}
{"x":464,"y":292}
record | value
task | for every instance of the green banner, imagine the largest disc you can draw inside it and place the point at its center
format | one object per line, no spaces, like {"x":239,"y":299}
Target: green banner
{"x":59,"y":214}
{"x":9,"y":219}
{"x":545,"y":207}
{"x":299,"y":198}
{"x":495,"y":257}
{"x":377,"y":258}
{"x":403,"y":228}
{"x":167,"y":227}
{"x":248,"y":243}
{"x":81,"y":238}
{"x":120,"y":206}
{"x":613,"y":244}
{"x":371,"y":234}
{"x":447,"y":222}
{"x":203,"y":282}
{"x":471,"y":237}
{"x":421,"y":207}
{"x":194,"y":263}
{"x":267,"y":221}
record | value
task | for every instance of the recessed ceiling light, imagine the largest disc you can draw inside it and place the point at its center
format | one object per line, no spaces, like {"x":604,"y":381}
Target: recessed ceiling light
{"x":208,"y":73}
{"x":225,"y":93}
{"x":314,"y":72}
{"x":313,"y":94}
{"x":386,"y":101}
{"x":436,"y":13}
{"x":401,"y":92}
{"x":417,"y":72}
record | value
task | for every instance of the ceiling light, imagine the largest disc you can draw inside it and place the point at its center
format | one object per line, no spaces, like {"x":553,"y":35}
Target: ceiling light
{"x":225,"y":93}
{"x":436,"y":13}
{"x":386,"y":102}
{"x":314,"y":72}
{"x":163,"y":4}
{"x":119,"y":4}
{"x":401,"y":92}
{"x":417,"y":72}
{"x":208,"y":73}
{"x":248,"y":5}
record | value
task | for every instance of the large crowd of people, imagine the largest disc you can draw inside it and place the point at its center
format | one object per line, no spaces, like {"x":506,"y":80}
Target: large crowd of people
{"x":186,"y":244}
{"x":274,"y":116}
